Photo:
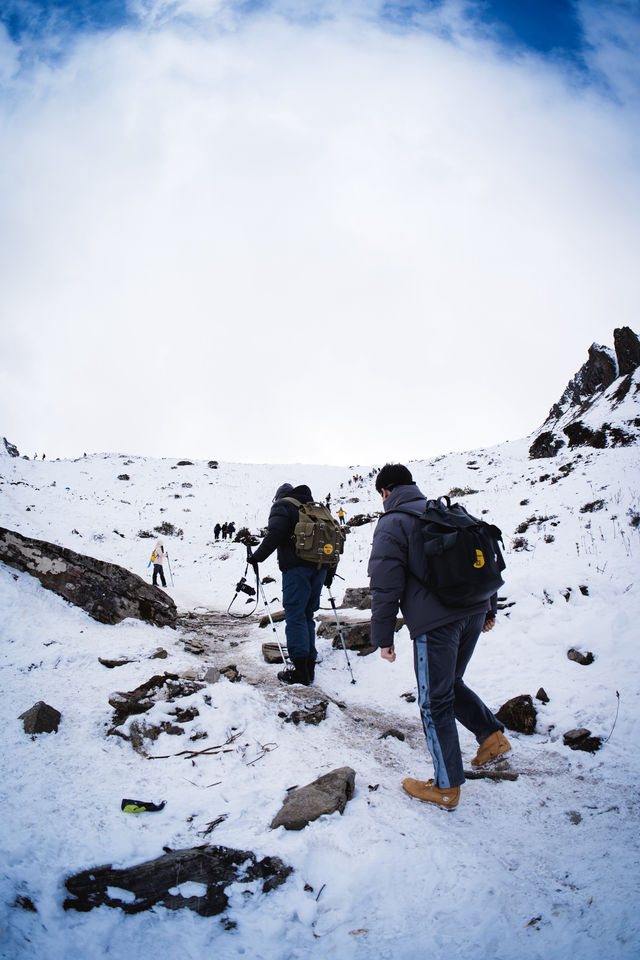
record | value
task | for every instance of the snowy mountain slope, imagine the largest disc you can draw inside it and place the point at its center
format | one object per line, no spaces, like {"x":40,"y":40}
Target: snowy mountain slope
{"x":523,"y":867}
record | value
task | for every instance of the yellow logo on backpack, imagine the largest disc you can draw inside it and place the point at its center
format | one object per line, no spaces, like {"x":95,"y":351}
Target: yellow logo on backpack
{"x":479,"y":560}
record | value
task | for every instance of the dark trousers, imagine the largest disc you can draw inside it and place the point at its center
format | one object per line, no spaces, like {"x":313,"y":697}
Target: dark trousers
{"x":158,"y":572}
{"x":440,"y":660}
{"x":301,"y":589}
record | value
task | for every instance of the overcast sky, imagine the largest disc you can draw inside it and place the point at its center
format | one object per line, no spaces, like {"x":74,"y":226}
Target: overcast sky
{"x":310,"y":231}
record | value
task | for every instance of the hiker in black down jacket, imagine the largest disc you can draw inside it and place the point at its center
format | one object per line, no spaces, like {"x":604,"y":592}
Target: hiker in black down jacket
{"x":443,"y":640}
{"x":302,"y":583}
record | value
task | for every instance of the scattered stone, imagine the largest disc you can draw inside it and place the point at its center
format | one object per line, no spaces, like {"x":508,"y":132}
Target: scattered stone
{"x":581,"y":739}
{"x":193,"y":646}
{"x":231,"y":673}
{"x":271,"y":652}
{"x":312,"y":715}
{"x":392,"y":732}
{"x":124,"y":476}
{"x":212,"y":675}
{"x":358,"y":598}
{"x":184,"y":463}
{"x":409,"y":697}
{"x":159,"y":654}
{"x":574,"y":816}
{"x":518,"y":714}
{"x":25,"y":903}
{"x":108,"y":592}
{"x":356,"y":634}
{"x":277,"y":617}
{"x":167,"y":686}
{"x":583,"y":658}
{"x":111,"y":664}
{"x":186,"y":714}
{"x":153,"y":882}
{"x":542,"y":696}
{"x":41,"y":718}
{"x":324,"y":796}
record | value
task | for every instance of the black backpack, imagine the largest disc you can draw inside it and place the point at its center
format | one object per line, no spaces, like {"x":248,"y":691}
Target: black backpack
{"x":464,"y":561}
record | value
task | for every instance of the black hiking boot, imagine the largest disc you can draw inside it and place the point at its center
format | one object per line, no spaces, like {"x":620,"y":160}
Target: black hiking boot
{"x":298,"y":672}
{"x":311,"y":667}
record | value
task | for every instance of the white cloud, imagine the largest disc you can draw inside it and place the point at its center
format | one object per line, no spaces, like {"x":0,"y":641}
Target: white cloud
{"x":410,"y":241}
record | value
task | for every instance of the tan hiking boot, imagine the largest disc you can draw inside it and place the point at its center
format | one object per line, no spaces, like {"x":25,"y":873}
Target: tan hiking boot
{"x":493,"y":747}
{"x":424,"y":790}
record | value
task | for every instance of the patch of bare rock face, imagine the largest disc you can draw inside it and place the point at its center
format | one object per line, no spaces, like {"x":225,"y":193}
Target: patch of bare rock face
{"x":564,"y":425}
{"x":158,"y":881}
{"x":107,"y":592}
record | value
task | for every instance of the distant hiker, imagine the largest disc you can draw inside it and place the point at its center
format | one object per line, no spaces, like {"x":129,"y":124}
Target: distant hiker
{"x":231,"y":529}
{"x":43,"y":456}
{"x":224,"y":531}
{"x":217,"y":530}
{"x":341,"y":516}
{"x":328,"y":499}
{"x":157,"y":558}
{"x":302,"y":582}
{"x":443,"y":638}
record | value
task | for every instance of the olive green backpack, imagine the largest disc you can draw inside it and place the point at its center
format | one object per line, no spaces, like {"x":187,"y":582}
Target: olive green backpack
{"x":317,"y":537}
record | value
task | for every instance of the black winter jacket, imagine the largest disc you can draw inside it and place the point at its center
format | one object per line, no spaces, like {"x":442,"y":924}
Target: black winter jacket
{"x":398,"y":548}
{"x":282,"y":521}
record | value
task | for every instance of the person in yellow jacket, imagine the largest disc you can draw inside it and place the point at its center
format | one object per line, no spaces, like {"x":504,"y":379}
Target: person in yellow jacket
{"x":341,"y":516}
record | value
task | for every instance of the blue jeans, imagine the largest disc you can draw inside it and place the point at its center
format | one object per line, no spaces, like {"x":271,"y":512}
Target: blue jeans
{"x":440,"y":660}
{"x":301,"y":588}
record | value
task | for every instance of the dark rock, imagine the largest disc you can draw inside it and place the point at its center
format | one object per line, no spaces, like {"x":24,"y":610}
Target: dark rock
{"x":11,"y":448}
{"x":231,"y":673}
{"x":184,"y":463}
{"x":324,"y":796}
{"x":124,"y":476}
{"x":579,"y":435}
{"x":392,"y":732}
{"x":583,"y":658}
{"x":359,"y":598}
{"x":25,"y":903}
{"x":409,"y":697}
{"x":151,"y":882}
{"x":581,"y":739}
{"x":41,"y":718}
{"x":361,"y":518}
{"x":168,"y":686}
{"x":542,"y":695}
{"x":159,"y":654}
{"x":518,"y":714}
{"x":313,"y":715}
{"x":271,"y":652}
{"x":111,"y":664}
{"x":598,"y":373}
{"x":277,"y":617}
{"x":545,"y":445}
{"x":213,"y":464}
{"x":108,"y":592}
{"x":627,"y":347}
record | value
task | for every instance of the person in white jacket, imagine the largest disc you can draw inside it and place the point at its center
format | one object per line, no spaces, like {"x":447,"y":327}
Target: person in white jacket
{"x":159,"y":554}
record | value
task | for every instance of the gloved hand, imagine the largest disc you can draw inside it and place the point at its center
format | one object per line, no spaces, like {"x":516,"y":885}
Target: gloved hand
{"x":328,"y":580}
{"x":250,"y":560}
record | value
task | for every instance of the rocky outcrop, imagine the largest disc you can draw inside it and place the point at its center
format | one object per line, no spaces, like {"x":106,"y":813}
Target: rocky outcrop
{"x":108,"y":592}
{"x":161,"y":881}
{"x":324,"y":796}
{"x":589,"y":414}
{"x":518,"y":714}
{"x":9,"y":448}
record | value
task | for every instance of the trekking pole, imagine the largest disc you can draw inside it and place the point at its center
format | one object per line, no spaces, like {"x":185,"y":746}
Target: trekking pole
{"x":170,"y":571}
{"x":344,"y":647}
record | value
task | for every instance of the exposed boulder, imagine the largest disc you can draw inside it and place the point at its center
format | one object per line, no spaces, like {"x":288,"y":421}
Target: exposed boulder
{"x":324,"y":796}
{"x":108,"y":592}
{"x":271,"y":652}
{"x":627,"y":346}
{"x":160,"y":881}
{"x":357,"y":597}
{"x":545,"y":445}
{"x":518,"y":714}
{"x":581,"y":739}
{"x":10,"y":448}
{"x":582,"y":658}
{"x":357,"y":635}
{"x":41,"y":718}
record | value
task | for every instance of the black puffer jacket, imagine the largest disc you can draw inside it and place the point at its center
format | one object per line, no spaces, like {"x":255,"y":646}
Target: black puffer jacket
{"x":282,"y":521}
{"x":398,"y":548}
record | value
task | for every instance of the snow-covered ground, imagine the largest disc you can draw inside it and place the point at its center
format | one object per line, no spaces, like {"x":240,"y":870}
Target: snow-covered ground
{"x":546,"y":866}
